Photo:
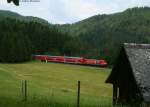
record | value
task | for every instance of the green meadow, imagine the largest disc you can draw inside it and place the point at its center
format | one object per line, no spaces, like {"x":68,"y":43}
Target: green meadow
{"x":54,"y":85}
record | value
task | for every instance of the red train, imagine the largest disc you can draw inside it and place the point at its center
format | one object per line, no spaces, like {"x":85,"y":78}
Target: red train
{"x":73,"y":60}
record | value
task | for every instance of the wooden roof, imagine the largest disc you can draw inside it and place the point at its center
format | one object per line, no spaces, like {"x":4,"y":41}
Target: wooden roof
{"x":139,"y":58}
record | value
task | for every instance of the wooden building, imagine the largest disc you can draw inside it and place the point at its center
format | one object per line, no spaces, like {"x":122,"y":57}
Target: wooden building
{"x":130,"y":75}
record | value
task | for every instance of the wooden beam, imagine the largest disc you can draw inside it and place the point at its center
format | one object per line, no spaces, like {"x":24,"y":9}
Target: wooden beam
{"x":115,"y":94}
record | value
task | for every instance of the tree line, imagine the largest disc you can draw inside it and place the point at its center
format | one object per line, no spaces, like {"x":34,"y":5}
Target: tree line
{"x":98,"y":37}
{"x":20,"y":40}
{"x":103,"y":35}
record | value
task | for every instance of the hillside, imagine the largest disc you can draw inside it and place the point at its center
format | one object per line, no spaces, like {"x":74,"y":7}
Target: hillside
{"x":103,"y":21}
{"x":8,"y":14}
{"x":103,"y":34}
{"x":98,"y":37}
{"x":21,"y":38}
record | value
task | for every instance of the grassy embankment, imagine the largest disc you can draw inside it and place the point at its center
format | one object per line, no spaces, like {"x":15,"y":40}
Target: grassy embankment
{"x":53,"y":85}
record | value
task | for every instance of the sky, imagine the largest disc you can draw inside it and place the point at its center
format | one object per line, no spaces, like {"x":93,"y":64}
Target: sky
{"x":70,"y":11}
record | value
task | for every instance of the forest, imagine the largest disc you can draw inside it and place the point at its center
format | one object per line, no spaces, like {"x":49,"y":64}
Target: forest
{"x":97,"y":37}
{"x":19,"y":40}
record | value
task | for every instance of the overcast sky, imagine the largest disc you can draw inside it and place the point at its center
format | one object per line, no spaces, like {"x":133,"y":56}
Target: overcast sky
{"x":70,"y":11}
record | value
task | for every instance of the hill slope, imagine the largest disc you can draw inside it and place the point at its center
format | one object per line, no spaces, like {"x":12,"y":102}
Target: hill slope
{"x":103,"y":34}
{"x":8,"y":14}
{"x":20,"y":37}
{"x":100,"y":36}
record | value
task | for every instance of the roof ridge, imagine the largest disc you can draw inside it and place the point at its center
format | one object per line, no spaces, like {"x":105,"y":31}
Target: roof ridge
{"x":135,"y":45}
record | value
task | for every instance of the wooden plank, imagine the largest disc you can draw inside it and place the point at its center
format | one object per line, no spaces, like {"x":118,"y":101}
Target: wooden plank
{"x":115,"y":94}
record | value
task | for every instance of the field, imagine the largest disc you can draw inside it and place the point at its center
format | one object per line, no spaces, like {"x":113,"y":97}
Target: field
{"x":54,"y":85}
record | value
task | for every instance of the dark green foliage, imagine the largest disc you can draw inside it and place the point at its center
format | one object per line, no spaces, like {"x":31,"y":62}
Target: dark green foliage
{"x":102,"y":35}
{"x":14,"y":45}
{"x":19,"y":40}
{"x":96,"y":37}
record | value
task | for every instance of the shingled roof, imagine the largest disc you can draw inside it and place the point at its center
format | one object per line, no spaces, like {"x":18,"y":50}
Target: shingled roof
{"x":139,"y":58}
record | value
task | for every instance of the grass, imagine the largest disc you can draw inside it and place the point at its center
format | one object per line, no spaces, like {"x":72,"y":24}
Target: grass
{"x":54,"y":85}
